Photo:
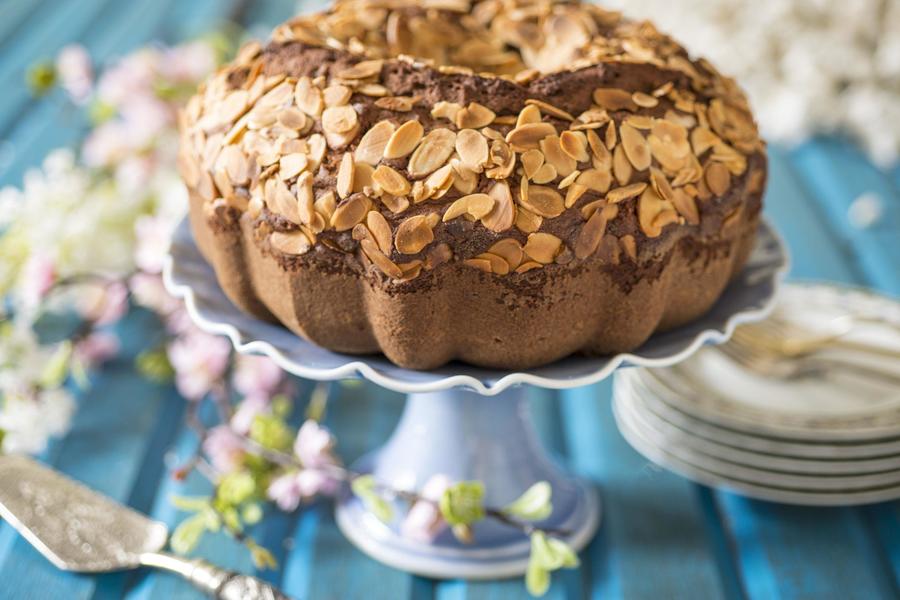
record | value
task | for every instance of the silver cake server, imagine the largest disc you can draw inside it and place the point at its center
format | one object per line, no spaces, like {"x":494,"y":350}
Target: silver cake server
{"x":80,"y":530}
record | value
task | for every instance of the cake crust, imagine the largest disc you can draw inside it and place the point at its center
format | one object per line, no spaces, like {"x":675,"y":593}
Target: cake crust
{"x":568,"y":201}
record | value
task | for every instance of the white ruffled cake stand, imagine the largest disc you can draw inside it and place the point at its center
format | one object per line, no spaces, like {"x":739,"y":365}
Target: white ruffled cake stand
{"x":467,"y":422}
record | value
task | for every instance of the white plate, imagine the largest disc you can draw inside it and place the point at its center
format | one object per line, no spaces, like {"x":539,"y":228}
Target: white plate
{"x":712,"y":387}
{"x":749,"y":297}
{"x":786,"y":495}
{"x":666,"y":435}
{"x":864,"y":449}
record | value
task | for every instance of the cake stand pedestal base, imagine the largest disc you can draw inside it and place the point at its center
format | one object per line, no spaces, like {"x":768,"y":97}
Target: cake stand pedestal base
{"x":467,"y":436}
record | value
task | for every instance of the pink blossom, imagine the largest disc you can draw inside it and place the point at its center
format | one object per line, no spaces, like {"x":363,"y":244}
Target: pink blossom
{"x":257,"y":375}
{"x":424,"y":521}
{"x":134,"y":75}
{"x":105,"y":145}
{"x":37,"y":277}
{"x":223,"y":448}
{"x":288,"y":490}
{"x":285,"y":491}
{"x":148,"y":291}
{"x":199,"y":360}
{"x":143,"y":118}
{"x":247,"y":410}
{"x":76,"y":74}
{"x":106,"y":305}
{"x":133,"y":174}
{"x":314,"y":444}
{"x":153,"y":234}
{"x":97,"y":348}
{"x":188,"y":62}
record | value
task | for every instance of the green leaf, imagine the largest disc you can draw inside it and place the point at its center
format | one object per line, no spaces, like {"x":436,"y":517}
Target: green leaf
{"x":463,"y":503}
{"x":551,"y":553}
{"x":236,"y":488}
{"x":537,"y":579}
{"x":190,"y":503}
{"x":188,"y":533}
{"x":534,"y":504}
{"x":270,"y":431}
{"x":57,"y":368}
{"x":154,"y":365}
{"x":41,"y":78}
{"x":365,"y":488}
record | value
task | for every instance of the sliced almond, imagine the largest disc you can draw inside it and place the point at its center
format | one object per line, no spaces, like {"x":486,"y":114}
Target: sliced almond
{"x":629,"y":246}
{"x":542,"y":247}
{"x":317,"y":148}
{"x":465,"y":180}
{"x":438,"y":183}
{"x":661,"y":184}
{"x":621,"y":167}
{"x":654,"y":213}
{"x":482,"y":264}
{"x":529,"y":135}
{"x":290,"y":242}
{"x":308,"y":97}
{"x":636,"y":147}
{"x":404,"y":140}
{"x":573,"y":193}
{"x":336,"y":95}
{"x":473,"y":150}
{"x":362,"y":178}
{"x":396,"y":204}
{"x":596,"y":180}
{"x":590,"y":235}
{"x":380,"y":260}
{"x":528,"y":266}
{"x":543,"y":201}
{"x":432,"y":153}
{"x":529,"y":114}
{"x":345,"y":176}
{"x":503,"y":158}
{"x":574,"y":143}
{"x":445,"y":110}
{"x":614,"y":99}
{"x":280,"y":201}
{"x":545,"y":174}
{"x":413,"y":235}
{"x":532,"y":160}
{"x":398,"y":103}
{"x":291,"y":165}
{"x":474,"y":205}
{"x":503,"y":213}
{"x":621,"y":194}
{"x":644,"y":100}
{"x":569,"y":179}
{"x":718,"y":178}
{"x":499,"y":266}
{"x":325,"y":205}
{"x":686,"y":206}
{"x":233,"y":106}
{"x":474,"y":116}
{"x":350,"y":212}
{"x":610,"y":137}
{"x":550,"y":109}
{"x":527,"y":221}
{"x":391,"y":181}
{"x":509,"y":250}
{"x":554,"y":155}
{"x":339,"y":119}
{"x":373,"y":143}
{"x":305,"y":198}
{"x":362,"y":70}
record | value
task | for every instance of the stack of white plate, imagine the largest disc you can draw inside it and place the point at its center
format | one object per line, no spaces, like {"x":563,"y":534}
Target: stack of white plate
{"x":828,"y":440}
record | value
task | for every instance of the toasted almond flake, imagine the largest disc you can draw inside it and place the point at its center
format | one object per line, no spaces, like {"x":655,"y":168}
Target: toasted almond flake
{"x":473,"y":150}
{"x":290,"y":242}
{"x":532,"y":160}
{"x":339,"y":119}
{"x":396,"y":204}
{"x":529,"y":135}
{"x":640,"y":122}
{"x":380,"y":260}
{"x":686,"y":206}
{"x":360,"y":232}
{"x":372,"y":144}
{"x":391,"y":181}
{"x":624,"y":193}
{"x":404,"y":140}
{"x":529,"y":114}
{"x":621,"y":167}
{"x":601,"y":157}
{"x":573,"y":193}
{"x":574,"y":143}
{"x":410,"y":269}
{"x":325,"y":205}
{"x":545,"y":174}
{"x":481,"y":264}
{"x":291,"y":165}
{"x":718,"y":178}
{"x":505,"y":120}
{"x":542,"y":201}
{"x":528,"y":266}
{"x":504,"y":159}
{"x":398,"y":103}
{"x":503,"y":213}
{"x":596,"y":180}
{"x":661,"y":184}
{"x":474,"y":116}
{"x":554,"y":155}
{"x":308,"y":97}
{"x":235,"y":164}
{"x":294,"y":118}
{"x":233,"y":106}
{"x":492,"y":134}
{"x":702,"y":139}
{"x":629,"y":246}
{"x":590,"y":235}
{"x":376,"y":90}
{"x":345,"y":176}
{"x":644,"y":100}
{"x":542,"y":247}
{"x":362,"y":70}
{"x":350,"y":212}
{"x":569,"y":179}
{"x":413,"y":234}
{"x":510,"y":250}
{"x":614,"y":99}
{"x":654,"y":213}
{"x":550,"y":109}
{"x":636,"y":147}
{"x":438,"y":183}
{"x":527,"y":221}
{"x":611,"y":138}
{"x":336,"y":95}
{"x":281,"y":201}
{"x":432,"y":153}
{"x":305,"y":198}
{"x":465,"y":180}
{"x":499,"y":266}
{"x":317,"y":148}
{"x":475,"y":205}
{"x":445,"y":110}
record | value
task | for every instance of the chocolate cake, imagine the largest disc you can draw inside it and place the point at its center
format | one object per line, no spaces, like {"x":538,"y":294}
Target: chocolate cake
{"x":501,"y":182}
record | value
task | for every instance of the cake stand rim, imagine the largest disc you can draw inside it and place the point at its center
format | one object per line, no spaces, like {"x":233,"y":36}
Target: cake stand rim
{"x":357,"y":367}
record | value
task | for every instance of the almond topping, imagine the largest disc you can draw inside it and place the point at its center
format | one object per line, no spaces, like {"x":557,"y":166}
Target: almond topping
{"x":554,"y":155}
{"x":350,"y":212}
{"x":362,"y":70}
{"x":596,"y":180}
{"x":624,"y":193}
{"x":281,"y":201}
{"x":413,"y":234}
{"x":234,"y":106}
{"x":610,"y":138}
{"x":543,"y":201}
{"x":654,"y":213}
{"x":345,"y":176}
{"x":473,"y":150}
{"x":542,"y":247}
{"x":290,"y":242}
{"x":432,"y":153}
{"x":644,"y":100}
{"x":445,"y":110}
{"x":527,"y":221}
{"x":532,"y":160}
{"x":372,"y":144}
{"x":550,"y":109}
{"x":509,"y":250}
{"x":636,"y":147}
{"x":529,"y":135}
{"x":529,"y":114}
{"x":308,"y":97}
{"x":404,"y":140}
{"x":574,"y":143}
{"x":305,"y":198}
{"x":398,"y":103}
{"x":686,"y":206}
{"x":474,"y":116}
{"x":545,"y":174}
{"x":614,"y":99}
{"x":718,"y":178}
{"x":394,"y":203}
{"x":339,"y":119}
{"x":621,"y":167}
{"x":336,"y":95}
{"x":590,"y":235}
{"x":391,"y":181}
{"x":503,"y":213}
{"x":474,"y":205}
{"x":380,"y":260}
{"x":481,"y":264}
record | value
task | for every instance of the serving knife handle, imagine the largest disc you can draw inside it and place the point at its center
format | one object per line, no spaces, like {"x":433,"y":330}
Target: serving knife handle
{"x":213,"y":581}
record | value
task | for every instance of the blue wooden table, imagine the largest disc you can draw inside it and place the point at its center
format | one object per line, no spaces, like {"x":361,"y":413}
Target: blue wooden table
{"x":661,"y":537}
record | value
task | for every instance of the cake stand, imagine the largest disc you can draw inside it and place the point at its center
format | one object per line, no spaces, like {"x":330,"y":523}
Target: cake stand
{"x":466,"y":422}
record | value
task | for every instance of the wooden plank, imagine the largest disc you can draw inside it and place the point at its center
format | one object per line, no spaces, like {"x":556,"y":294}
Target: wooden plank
{"x":14,"y":16}
{"x":837,"y":173}
{"x":653,"y":540}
